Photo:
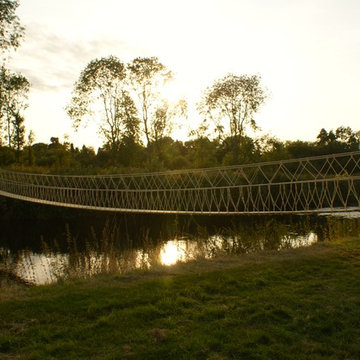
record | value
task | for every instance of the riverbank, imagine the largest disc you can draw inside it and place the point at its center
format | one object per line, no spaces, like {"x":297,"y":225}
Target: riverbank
{"x":297,"y":304}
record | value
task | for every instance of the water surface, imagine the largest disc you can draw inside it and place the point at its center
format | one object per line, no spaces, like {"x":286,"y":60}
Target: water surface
{"x":44,"y":250}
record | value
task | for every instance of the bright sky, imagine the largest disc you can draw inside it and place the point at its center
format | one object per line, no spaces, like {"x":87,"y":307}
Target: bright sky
{"x":306,"y":51}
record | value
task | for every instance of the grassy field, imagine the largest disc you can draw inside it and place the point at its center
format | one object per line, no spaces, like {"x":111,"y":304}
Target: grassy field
{"x":297,"y":304}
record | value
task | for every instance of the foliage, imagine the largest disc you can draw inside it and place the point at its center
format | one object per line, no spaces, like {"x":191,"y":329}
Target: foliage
{"x":342,"y":139}
{"x":131,"y":103}
{"x":167,"y":154}
{"x":7,"y":156}
{"x":102,"y":84}
{"x":271,"y":148}
{"x":247,"y":151}
{"x":233,"y":100}
{"x":11,"y":31}
{"x":14,"y":90}
{"x":18,"y":138}
{"x":14,"y":87}
{"x":202,"y":152}
{"x":299,"y":148}
{"x":147,"y":75}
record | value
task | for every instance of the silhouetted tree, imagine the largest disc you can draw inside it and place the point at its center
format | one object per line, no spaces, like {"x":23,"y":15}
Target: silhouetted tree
{"x":233,"y":99}
{"x":14,"y":90}
{"x":147,"y":75}
{"x":271,"y":148}
{"x":202,"y":152}
{"x":30,"y":141}
{"x":7,"y":156}
{"x":102,"y":84}
{"x":18,"y":138}
{"x":342,"y":139}
{"x":323,"y":137}
{"x":299,"y":149}
{"x":247,"y":152}
{"x":86,"y":156}
{"x":11,"y":30}
{"x":162,"y":123}
{"x":346,"y":135}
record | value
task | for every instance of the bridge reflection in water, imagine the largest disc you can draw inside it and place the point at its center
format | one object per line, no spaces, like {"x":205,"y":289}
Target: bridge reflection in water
{"x":307,"y":185}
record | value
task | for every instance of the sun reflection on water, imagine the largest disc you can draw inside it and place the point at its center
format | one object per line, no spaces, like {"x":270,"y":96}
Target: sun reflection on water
{"x":107,"y":256}
{"x":174,"y":251}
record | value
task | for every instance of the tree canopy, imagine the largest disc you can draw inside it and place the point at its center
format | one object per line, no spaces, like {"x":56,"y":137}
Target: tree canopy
{"x":102,"y":93}
{"x":231,"y":103}
{"x":234,"y":99}
{"x":14,"y":90}
{"x":11,"y":30}
{"x":14,"y":87}
{"x":146,"y":76}
{"x":125,"y":100}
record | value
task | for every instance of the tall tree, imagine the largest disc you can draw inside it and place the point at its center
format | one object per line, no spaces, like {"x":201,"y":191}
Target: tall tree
{"x":342,"y":139}
{"x":29,"y":143}
{"x":232,"y":102}
{"x":13,"y":87}
{"x":11,"y":30}
{"x":323,"y":137}
{"x":163,"y":122}
{"x":147,"y":76}
{"x":13,"y":100}
{"x":346,"y":135}
{"x":18,"y":137}
{"x":102,"y":85}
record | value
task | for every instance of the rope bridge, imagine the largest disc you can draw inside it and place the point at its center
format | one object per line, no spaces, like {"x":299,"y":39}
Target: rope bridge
{"x":314,"y":184}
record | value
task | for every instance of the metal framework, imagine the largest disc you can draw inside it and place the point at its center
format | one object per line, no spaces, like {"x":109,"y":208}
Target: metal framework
{"x":314,"y":184}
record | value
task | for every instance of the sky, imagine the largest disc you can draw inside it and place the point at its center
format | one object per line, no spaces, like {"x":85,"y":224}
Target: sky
{"x":307,"y":53}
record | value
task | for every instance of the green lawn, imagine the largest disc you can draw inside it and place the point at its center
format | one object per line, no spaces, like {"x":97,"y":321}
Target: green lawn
{"x":298,"y":304}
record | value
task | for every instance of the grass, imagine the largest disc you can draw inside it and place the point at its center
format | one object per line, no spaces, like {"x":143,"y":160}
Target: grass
{"x":297,"y":304}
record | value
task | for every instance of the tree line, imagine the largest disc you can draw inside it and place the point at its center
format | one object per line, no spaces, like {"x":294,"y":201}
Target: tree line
{"x":128,"y":104}
{"x":200,"y":152}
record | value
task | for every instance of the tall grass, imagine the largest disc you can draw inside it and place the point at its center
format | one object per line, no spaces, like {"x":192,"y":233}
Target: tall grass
{"x":115,"y":249}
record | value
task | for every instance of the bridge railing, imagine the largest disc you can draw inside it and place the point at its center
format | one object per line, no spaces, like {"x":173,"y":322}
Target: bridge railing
{"x":296,"y":185}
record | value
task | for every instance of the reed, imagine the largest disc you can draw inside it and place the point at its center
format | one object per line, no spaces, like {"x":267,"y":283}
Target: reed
{"x":295,"y":304}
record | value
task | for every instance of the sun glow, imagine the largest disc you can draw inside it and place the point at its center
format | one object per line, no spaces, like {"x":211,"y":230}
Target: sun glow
{"x":173,"y":252}
{"x":199,"y":42}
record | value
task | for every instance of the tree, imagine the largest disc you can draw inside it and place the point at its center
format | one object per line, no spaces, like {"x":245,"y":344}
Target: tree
{"x":164,"y":114}
{"x":11,"y":31}
{"x":147,"y":75}
{"x":233,"y":99}
{"x":202,"y":152}
{"x":323,"y":137}
{"x":346,"y":135}
{"x":342,"y":139}
{"x":271,"y":148}
{"x":326,"y":138}
{"x":299,"y":149}
{"x":14,"y":90}
{"x":86,"y":156}
{"x":102,"y":85}
{"x":18,"y":138}
{"x":13,"y":87}
{"x":29,"y":143}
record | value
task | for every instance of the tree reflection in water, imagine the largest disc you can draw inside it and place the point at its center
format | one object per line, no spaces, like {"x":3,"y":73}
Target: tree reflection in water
{"x":115,"y":250}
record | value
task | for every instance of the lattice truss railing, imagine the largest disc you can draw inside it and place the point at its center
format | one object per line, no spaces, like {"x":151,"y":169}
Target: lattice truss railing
{"x":311,"y":184}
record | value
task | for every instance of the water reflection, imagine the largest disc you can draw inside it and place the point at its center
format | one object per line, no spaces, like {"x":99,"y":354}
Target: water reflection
{"x":117,"y":249}
{"x":177,"y":250}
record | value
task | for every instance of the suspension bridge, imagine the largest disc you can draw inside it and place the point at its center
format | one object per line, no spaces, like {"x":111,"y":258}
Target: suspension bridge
{"x":307,"y":185}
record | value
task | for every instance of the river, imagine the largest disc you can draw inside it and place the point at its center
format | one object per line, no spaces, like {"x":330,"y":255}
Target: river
{"x":44,"y":249}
